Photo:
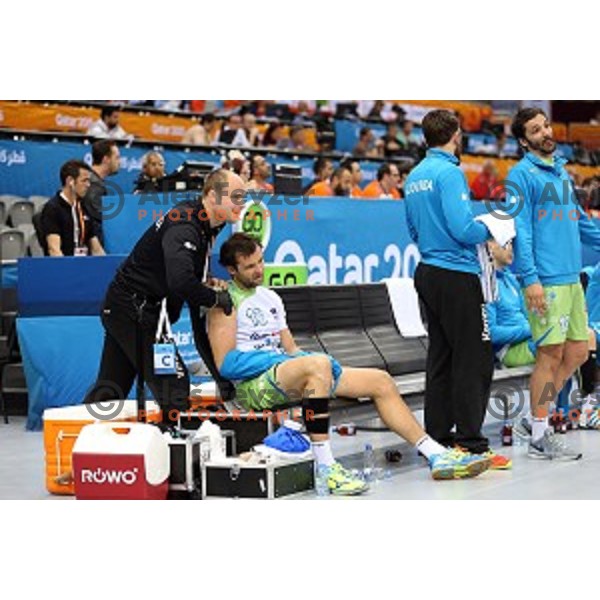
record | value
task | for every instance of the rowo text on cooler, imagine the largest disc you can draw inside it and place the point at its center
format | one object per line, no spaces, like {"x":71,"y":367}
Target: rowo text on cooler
{"x":105,"y":476}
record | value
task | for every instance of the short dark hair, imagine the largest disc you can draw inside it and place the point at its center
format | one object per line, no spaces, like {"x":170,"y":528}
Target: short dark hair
{"x":320,"y":163}
{"x":522,"y":117}
{"x":108,"y":111}
{"x":71,"y":169}
{"x":439,"y":126}
{"x":348,"y":162}
{"x":337,"y":174}
{"x":239,"y":243}
{"x":100,"y":149}
{"x":384,"y":169}
{"x":217,"y":181}
{"x":364,"y":131}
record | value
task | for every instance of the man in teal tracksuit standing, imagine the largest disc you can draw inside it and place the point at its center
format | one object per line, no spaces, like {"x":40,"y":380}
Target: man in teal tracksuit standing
{"x":460,"y":357}
{"x":551,"y":227}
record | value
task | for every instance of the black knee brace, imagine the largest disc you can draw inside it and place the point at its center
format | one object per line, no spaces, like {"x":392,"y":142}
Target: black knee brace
{"x":315,"y":413}
{"x":588,"y":374}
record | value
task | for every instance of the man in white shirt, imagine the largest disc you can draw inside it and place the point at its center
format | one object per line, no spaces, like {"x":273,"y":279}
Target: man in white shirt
{"x":108,"y":125}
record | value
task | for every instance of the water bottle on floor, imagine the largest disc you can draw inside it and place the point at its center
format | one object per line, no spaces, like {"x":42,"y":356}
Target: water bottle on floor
{"x":321,"y":485}
{"x":369,"y":463}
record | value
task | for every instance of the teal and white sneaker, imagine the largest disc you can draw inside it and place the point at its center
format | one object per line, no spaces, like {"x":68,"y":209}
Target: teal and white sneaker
{"x":550,"y":447}
{"x":457,"y":464}
{"x":342,"y":482}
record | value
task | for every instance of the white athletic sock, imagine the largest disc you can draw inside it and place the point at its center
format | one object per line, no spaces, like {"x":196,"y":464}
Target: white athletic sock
{"x":428,"y":447}
{"x":538,"y":426}
{"x":322,"y":452}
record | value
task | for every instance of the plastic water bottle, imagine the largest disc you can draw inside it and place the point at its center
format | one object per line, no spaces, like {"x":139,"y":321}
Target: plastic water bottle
{"x":321,"y":485}
{"x":369,"y":463}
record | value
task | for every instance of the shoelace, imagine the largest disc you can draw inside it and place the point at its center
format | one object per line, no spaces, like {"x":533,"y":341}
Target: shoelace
{"x":556,"y":444}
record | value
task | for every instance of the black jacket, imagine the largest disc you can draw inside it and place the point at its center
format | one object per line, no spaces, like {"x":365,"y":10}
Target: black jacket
{"x":171,"y":259}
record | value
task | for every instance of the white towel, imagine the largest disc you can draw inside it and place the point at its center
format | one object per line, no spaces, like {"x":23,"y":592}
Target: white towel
{"x":489,"y":281}
{"x":405,"y":305}
{"x":500,"y":225}
{"x":502,"y":228}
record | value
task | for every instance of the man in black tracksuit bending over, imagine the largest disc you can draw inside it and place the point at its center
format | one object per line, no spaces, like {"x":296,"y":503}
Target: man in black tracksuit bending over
{"x":170,"y":261}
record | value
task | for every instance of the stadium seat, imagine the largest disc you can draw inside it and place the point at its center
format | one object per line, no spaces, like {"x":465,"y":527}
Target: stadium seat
{"x":300,"y":317}
{"x":401,"y":355}
{"x":12,"y":382}
{"x":339,"y":327}
{"x":20,"y":213}
{"x":27,"y":229}
{"x":38,"y":202}
{"x":12,"y":244}
{"x":33,"y":245}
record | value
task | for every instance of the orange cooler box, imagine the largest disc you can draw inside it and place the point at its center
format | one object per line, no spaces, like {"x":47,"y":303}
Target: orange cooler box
{"x":62,"y":427}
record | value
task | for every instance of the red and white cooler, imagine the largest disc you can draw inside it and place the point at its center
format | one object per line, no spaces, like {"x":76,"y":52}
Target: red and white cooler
{"x":121,"y":461}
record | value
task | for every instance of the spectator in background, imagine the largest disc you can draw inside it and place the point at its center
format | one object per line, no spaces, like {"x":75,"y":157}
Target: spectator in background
{"x":250,"y":129}
{"x":367,"y":145}
{"x":406,"y":136}
{"x":153,"y":170}
{"x":66,"y":229}
{"x":304,"y":111}
{"x":212,"y":126}
{"x":340,"y":185}
{"x":323,"y":170}
{"x":107,"y":126}
{"x":239,"y":164}
{"x":341,"y":182}
{"x":353,"y":167}
{"x":501,"y":141}
{"x":106,"y":161}
{"x":404,"y":171}
{"x":486,"y":182}
{"x":196,"y":136}
{"x":297,"y":140}
{"x":260,"y":171}
{"x":391,"y":145}
{"x":169,"y":105}
{"x":376,"y":109}
{"x":275,"y":137}
{"x":386,"y":184}
{"x":233,"y":133}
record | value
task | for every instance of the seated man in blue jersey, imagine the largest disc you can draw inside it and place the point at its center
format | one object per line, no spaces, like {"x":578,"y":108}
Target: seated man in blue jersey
{"x":254,"y":348}
{"x":509,"y":325}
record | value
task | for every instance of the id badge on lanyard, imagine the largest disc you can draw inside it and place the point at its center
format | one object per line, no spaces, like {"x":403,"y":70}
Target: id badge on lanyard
{"x":165,"y":355}
{"x":79,"y":232}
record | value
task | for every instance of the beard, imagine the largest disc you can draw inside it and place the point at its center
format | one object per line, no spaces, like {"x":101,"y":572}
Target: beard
{"x":547,"y":146}
{"x":458,"y":150}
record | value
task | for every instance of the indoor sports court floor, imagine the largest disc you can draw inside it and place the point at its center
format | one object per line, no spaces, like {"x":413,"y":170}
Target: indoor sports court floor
{"x":22,"y":469}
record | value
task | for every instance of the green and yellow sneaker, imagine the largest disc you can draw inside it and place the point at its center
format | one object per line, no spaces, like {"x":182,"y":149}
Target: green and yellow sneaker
{"x":457,"y":464}
{"x":341,"y":482}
